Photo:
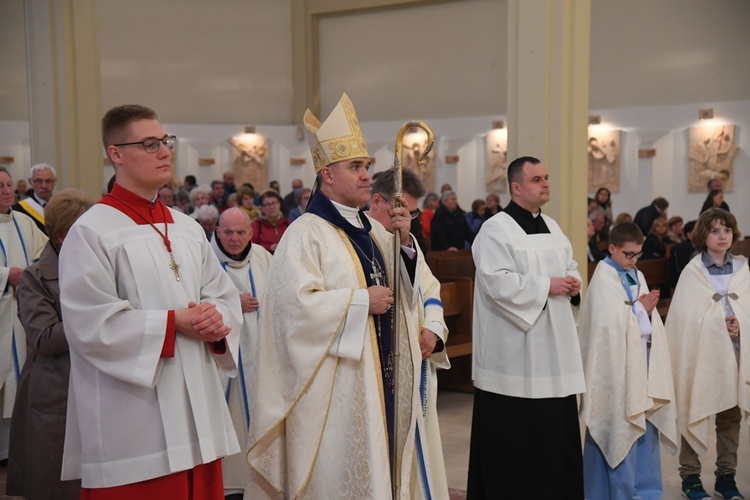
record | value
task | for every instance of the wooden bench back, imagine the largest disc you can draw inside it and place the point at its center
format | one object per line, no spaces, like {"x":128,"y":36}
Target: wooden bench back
{"x":741,"y":247}
{"x":656,"y":272}
{"x":445,"y":264}
{"x":457,"y":296}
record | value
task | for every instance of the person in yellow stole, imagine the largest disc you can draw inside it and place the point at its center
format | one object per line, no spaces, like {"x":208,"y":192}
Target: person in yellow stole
{"x":21,"y":243}
{"x":322,"y":419}
{"x":707,"y":330}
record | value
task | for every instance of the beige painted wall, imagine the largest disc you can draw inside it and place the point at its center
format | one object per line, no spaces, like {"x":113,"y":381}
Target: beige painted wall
{"x":655,"y":52}
{"x":420,"y":62}
{"x":199,"y":61}
{"x":13,"y":89}
{"x":229,"y":61}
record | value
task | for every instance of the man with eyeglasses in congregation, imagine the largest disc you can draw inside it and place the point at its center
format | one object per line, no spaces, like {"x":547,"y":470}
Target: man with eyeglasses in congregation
{"x":42,"y":178}
{"x":151,"y":319}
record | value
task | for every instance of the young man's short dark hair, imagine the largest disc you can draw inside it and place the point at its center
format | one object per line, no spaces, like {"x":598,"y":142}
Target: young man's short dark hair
{"x":118,"y":118}
{"x":515,"y":169}
{"x":410,"y":183}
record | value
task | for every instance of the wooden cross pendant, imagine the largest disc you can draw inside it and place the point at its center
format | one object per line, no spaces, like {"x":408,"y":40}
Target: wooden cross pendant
{"x":174,"y":266}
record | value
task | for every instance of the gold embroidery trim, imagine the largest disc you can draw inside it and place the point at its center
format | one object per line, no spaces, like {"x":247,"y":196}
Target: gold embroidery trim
{"x":296,"y":401}
{"x":373,"y":341}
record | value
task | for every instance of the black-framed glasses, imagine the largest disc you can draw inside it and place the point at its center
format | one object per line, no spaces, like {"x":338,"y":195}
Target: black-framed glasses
{"x":630,"y":255}
{"x":414,"y":213}
{"x":151,"y":145}
{"x":48,"y":182}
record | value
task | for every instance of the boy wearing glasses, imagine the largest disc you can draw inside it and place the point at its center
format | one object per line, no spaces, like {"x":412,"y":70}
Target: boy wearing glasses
{"x":710,"y":355}
{"x":630,"y":399}
{"x":151,"y":319}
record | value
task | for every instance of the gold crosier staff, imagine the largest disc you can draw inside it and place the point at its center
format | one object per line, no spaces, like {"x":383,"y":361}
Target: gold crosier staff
{"x":397,"y":194}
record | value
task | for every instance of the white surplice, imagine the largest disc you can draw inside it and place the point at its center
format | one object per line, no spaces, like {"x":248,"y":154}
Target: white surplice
{"x":318,"y":424}
{"x":623,"y":391}
{"x":21,"y":243}
{"x":429,"y":478}
{"x":707,"y":378}
{"x":248,"y":275}
{"x":525,"y":342}
{"x":132,"y":415}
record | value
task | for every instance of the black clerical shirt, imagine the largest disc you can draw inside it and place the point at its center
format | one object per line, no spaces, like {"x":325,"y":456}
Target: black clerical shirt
{"x":532,"y":225}
{"x":525,"y":219}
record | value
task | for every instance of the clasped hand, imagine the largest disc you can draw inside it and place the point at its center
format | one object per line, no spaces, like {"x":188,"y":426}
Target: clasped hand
{"x":248,"y":302}
{"x":649,"y":300}
{"x":568,"y":285}
{"x":201,"y":322}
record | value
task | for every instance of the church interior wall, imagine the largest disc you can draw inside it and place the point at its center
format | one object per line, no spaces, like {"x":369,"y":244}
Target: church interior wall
{"x":664,"y":128}
{"x":413,"y":61}
{"x":226,"y":61}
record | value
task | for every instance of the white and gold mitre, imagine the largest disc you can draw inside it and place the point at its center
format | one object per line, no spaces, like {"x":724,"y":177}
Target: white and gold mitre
{"x":337,"y":139}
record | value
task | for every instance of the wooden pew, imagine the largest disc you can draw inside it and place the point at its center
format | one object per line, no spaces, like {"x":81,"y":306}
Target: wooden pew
{"x":656,"y":272}
{"x":446,"y":265}
{"x":591,"y":269}
{"x":741,"y":247}
{"x":457,"y":295}
{"x":455,"y":271}
{"x":458,"y":298}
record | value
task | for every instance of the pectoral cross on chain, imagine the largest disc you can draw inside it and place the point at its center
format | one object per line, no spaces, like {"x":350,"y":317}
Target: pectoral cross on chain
{"x":174,"y":266}
{"x":376,"y":275}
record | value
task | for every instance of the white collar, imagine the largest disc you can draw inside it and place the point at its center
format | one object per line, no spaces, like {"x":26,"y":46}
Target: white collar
{"x":38,"y":200}
{"x":349,"y":213}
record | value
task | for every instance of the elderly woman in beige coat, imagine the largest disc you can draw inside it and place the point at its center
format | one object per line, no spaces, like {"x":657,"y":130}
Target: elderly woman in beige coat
{"x":38,"y":423}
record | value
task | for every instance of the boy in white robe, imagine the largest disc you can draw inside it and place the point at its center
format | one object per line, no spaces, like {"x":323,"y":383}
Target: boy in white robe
{"x":707,"y":331}
{"x":151,"y":318}
{"x":630,"y":395}
{"x":247,"y":265}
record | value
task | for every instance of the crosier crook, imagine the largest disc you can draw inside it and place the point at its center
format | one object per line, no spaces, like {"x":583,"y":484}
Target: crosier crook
{"x":397,"y":194}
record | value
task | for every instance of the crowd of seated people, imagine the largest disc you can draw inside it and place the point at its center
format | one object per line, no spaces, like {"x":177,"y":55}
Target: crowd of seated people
{"x":665,"y":238}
